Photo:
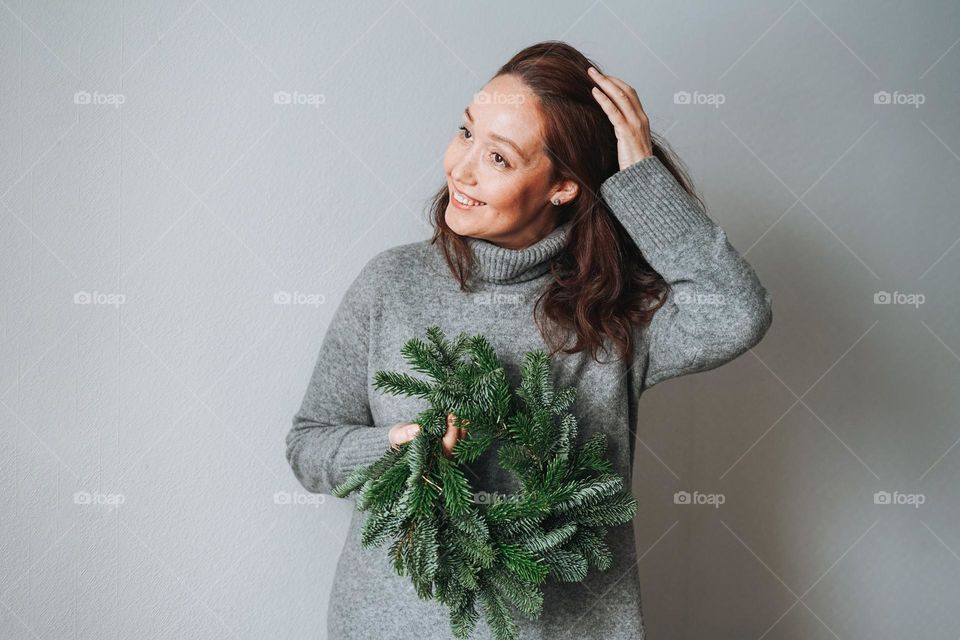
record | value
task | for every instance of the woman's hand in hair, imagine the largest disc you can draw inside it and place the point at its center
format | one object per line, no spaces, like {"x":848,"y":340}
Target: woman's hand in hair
{"x":630,"y":124}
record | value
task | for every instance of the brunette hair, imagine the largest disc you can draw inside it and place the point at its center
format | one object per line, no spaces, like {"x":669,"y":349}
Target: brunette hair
{"x":601,"y":284}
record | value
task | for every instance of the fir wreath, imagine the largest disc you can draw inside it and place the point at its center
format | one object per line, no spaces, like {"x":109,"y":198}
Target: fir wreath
{"x":495,"y":553}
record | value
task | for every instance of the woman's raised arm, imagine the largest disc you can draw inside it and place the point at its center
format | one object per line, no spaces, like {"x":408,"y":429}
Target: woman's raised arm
{"x":717,"y":308}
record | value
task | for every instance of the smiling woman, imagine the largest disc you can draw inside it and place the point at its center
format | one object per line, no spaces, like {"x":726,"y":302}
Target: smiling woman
{"x":517,"y":169}
{"x":498,"y":159}
{"x":556,"y":200}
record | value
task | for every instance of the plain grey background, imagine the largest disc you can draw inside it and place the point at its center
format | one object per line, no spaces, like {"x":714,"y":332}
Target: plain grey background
{"x":175,"y":239}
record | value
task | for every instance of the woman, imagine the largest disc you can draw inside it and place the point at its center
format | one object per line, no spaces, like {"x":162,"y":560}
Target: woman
{"x":562,"y":226}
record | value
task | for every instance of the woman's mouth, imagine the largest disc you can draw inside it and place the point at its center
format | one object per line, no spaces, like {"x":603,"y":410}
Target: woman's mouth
{"x":465,"y":202}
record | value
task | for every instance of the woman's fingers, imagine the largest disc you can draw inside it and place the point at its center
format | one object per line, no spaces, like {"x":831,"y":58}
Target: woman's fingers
{"x":406,"y":431}
{"x":463,"y":428}
{"x":621,"y":95}
{"x":617,"y":96}
{"x":451,"y":436}
{"x":454,"y":433}
{"x":630,"y":124}
{"x":630,"y":93}
{"x":610,"y":108}
{"x":403,"y":432}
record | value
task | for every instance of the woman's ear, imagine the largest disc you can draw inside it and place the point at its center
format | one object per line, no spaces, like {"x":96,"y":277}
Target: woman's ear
{"x":567,"y":191}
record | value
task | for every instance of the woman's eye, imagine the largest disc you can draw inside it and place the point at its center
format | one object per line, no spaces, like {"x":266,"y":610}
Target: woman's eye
{"x":498,"y":159}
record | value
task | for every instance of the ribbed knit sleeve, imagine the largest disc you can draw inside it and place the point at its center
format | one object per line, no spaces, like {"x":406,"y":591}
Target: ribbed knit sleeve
{"x":333,"y":432}
{"x":716,"y":308}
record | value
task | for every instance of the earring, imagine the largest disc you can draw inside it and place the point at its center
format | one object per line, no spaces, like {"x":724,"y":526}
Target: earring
{"x":556,"y":202}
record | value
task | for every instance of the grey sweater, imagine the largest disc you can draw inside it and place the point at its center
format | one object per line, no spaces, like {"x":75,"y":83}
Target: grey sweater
{"x":717,"y":309}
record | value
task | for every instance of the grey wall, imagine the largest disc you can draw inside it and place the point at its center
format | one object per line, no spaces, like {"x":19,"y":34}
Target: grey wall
{"x":149,"y":374}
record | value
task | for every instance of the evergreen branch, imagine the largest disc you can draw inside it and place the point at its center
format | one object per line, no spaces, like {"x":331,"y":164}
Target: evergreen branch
{"x":401,"y":384}
{"x":525,"y":595}
{"x":567,"y":566}
{"x":592,"y":492}
{"x":502,"y":625}
{"x":470,"y":449}
{"x":456,"y":490}
{"x":551,"y":539}
{"x":523,"y":563}
{"x":422,"y":358}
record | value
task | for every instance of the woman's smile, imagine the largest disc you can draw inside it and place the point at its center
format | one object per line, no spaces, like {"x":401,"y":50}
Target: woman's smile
{"x":463,"y":201}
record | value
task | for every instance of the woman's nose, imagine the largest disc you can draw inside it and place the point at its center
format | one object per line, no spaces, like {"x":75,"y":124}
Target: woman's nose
{"x":463,"y":170}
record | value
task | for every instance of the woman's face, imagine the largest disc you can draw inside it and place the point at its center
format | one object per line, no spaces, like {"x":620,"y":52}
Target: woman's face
{"x":496,"y":158}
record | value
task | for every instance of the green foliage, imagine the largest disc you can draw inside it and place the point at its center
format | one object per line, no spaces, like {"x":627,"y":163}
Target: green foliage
{"x":567,"y":566}
{"x":457,"y":496}
{"x":488,"y":555}
{"x":523,"y":563}
{"x":401,"y":384}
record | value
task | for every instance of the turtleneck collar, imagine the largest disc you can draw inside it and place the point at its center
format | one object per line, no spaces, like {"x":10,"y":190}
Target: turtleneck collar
{"x":493,"y":263}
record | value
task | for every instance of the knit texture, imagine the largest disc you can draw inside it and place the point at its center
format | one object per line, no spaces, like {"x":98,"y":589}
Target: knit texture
{"x":716,"y":310}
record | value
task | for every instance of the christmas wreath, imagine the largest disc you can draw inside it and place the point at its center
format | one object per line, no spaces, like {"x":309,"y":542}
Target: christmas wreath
{"x":496,"y":552}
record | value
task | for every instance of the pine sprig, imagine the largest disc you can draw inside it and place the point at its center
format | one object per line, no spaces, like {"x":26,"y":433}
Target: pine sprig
{"x":488,"y":557}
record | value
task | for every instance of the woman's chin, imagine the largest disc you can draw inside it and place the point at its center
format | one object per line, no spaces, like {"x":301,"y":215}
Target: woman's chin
{"x":461,"y":222}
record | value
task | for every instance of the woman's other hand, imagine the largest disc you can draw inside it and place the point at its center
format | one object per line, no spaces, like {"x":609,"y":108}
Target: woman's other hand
{"x":630,"y":123}
{"x":406,"y":431}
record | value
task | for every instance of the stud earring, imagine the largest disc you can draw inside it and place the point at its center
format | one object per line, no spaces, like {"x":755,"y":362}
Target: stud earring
{"x":556,"y":202}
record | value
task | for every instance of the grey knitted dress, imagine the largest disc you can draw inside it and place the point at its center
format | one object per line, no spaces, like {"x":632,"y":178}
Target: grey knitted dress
{"x":717,"y":309}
